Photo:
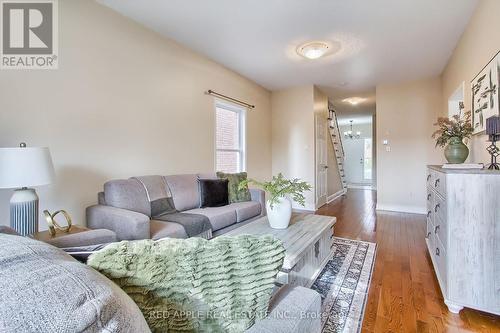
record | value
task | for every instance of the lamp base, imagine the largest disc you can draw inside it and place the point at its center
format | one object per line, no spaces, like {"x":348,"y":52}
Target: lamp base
{"x":24,"y":211}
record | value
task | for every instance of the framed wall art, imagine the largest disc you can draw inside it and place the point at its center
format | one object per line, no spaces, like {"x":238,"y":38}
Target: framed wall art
{"x":486,"y":94}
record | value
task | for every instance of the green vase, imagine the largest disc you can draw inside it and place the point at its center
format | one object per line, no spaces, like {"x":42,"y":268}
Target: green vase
{"x":456,"y":152}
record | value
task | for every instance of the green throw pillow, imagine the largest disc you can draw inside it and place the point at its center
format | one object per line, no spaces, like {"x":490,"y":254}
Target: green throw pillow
{"x":236,"y":195}
{"x":196,"y":285}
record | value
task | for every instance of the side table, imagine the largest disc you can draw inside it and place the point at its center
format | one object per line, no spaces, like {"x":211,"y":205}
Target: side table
{"x":77,"y":236}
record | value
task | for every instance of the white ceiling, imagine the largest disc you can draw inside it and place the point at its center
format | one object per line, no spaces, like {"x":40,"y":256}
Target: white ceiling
{"x":357,"y":120}
{"x":382,"y":40}
{"x":362,"y":113}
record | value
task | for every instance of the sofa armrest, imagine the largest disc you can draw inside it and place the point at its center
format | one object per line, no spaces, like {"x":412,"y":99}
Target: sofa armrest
{"x":127,"y":224}
{"x":259,"y":196}
{"x":85,"y":238}
{"x":292,"y":310}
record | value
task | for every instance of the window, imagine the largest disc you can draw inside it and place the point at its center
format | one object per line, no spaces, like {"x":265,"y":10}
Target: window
{"x":230,"y":137}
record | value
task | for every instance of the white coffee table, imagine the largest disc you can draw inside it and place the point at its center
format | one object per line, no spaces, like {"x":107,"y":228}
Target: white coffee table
{"x":307,"y":241}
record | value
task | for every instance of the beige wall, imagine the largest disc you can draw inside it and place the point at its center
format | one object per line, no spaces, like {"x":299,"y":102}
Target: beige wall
{"x":405,"y":114}
{"x":293,"y":136}
{"x":124,"y":102}
{"x":479,"y":43}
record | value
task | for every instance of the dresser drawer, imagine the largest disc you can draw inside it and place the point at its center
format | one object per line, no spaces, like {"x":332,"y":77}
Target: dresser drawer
{"x":441,"y":231}
{"x":430,"y":199}
{"x":440,"y":259}
{"x":438,"y":182}
{"x":429,"y":178}
{"x":439,"y":209}
{"x":430,"y":216}
{"x":429,"y":233}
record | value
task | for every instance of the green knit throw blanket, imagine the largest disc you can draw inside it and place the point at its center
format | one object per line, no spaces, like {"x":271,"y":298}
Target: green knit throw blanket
{"x":196,"y":285}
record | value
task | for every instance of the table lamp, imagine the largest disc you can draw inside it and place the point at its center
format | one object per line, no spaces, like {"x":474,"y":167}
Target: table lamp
{"x":493,"y":130}
{"x":20,"y":168}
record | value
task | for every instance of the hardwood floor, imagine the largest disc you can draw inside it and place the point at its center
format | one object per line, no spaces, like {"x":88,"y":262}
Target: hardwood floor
{"x":404,"y":295}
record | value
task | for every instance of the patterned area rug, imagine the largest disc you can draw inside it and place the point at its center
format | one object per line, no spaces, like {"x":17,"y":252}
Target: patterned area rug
{"x":343,"y":285}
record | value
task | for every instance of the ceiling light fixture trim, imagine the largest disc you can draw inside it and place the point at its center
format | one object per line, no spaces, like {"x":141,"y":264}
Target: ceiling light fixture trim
{"x":354,"y":100}
{"x":317,"y":49}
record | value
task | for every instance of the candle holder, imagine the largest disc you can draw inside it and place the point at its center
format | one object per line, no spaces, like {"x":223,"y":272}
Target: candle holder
{"x":493,"y":131}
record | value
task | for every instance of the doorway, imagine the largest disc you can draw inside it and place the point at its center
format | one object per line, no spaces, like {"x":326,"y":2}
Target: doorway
{"x":321,"y":134}
{"x":358,"y":147}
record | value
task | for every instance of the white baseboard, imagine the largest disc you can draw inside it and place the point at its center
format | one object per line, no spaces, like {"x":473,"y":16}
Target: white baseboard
{"x":334,"y":196}
{"x":402,"y":209}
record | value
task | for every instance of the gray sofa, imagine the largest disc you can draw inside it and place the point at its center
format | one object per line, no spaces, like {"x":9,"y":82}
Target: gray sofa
{"x":125,"y":207}
{"x":43,"y":289}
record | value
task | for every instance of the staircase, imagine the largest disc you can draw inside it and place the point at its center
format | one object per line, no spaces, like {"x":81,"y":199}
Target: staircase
{"x":336,"y":137}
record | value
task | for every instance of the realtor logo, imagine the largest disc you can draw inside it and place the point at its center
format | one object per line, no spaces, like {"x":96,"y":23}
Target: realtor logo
{"x":29,"y":34}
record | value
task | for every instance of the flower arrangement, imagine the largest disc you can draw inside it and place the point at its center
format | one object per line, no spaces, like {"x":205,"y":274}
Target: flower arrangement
{"x":279,"y":187}
{"x":459,"y":127}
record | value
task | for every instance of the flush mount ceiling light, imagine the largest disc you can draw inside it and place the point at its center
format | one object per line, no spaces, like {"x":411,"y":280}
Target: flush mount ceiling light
{"x":317,"y":49}
{"x":354,"y":100}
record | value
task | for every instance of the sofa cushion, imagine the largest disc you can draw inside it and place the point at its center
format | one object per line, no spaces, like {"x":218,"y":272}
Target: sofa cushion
{"x":163,"y":229}
{"x":158,"y":194}
{"x":127,"y":194}
{"x":43,"y":289}
{"x":246,"y":210}
{"x":184,"y":190}
{"x":155,"y":186}
{"x":219,"y":217}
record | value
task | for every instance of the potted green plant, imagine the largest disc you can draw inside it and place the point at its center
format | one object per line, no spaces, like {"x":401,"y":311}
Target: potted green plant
{"x":278,"y":204}
{"x":451,"y":133}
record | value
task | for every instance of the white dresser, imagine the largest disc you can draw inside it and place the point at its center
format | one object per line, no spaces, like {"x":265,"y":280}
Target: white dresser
{"x":463,"y":236}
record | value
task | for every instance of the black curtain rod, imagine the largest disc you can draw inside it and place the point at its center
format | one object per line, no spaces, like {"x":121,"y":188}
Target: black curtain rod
{"x":211,"y":92}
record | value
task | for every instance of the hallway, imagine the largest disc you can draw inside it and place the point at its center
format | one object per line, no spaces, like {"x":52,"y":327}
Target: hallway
{"x":404,"y":295}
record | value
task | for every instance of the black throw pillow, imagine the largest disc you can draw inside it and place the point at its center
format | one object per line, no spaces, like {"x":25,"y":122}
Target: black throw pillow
{"x":213,"y":192}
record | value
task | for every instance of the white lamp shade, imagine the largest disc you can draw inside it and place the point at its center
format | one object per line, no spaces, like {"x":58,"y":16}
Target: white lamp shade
{"x":25,"y":167}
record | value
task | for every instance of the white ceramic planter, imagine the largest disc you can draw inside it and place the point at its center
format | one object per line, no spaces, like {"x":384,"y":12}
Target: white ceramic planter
{"x":279,"y":216}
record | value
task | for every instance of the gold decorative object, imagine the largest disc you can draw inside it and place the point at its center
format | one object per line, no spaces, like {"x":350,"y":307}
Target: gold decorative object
{"x":53,"y":225}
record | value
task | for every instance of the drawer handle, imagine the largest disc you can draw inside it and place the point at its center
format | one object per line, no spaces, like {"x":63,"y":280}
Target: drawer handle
{"x":429,"y":214}
{"x":436,"y":183}
{"x":437,"y":251}
{"x":428,"y":197}
{"x":428,"y":177}
{"x":436,"y":228}
{"x":436,"y":208}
